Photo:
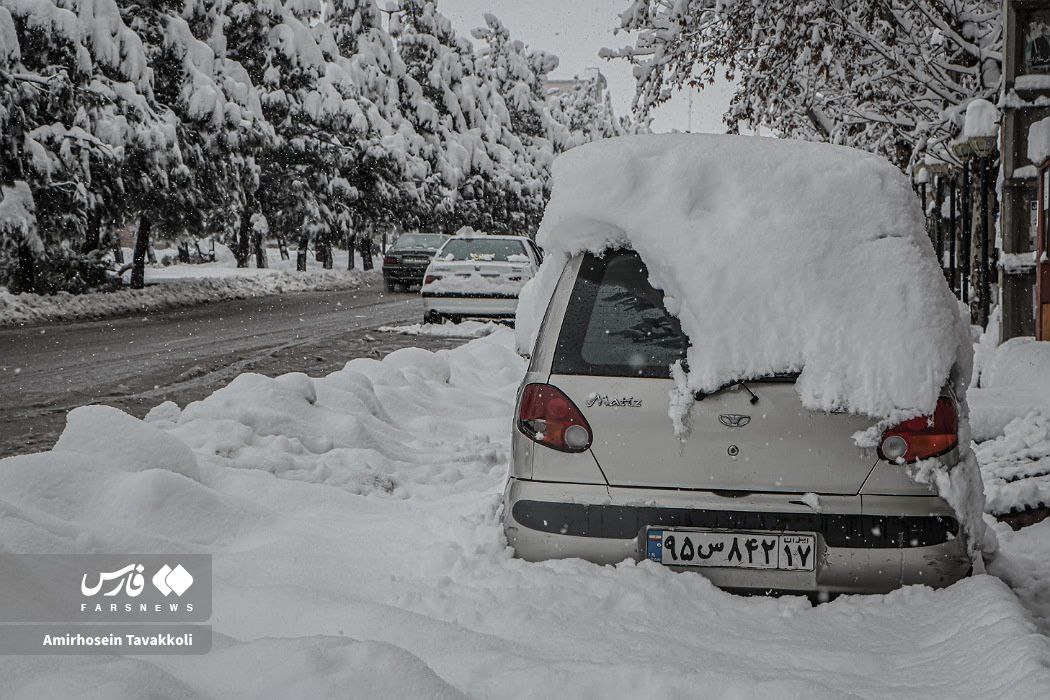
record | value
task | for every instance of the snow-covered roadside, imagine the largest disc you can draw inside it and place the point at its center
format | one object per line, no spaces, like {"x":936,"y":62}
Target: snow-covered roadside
{"x":1014,"y":381}
{"x":1023,"y":562}
{"x":225,"y":265}
{"x":353,"y":521}
{"x":464,"y":329}
{"x":1015,"y":466}
{"x":34,"y":308}
{"x":1010,"y":420}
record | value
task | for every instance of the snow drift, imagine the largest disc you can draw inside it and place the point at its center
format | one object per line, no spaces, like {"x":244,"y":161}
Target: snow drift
{"x":353,"y":521}
{"x":1014,"y":381}
{"x":18,"y":309}
{"x":775,"y":255}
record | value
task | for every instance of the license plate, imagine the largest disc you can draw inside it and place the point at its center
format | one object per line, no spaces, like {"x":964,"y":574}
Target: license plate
{"x":417,"y":261}
{"x":737,"y":550}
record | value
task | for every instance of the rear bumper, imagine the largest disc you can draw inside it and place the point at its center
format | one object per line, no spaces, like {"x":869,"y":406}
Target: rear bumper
{"x":472,"y":306}
{"x":404,"y":273}
{"x":865,"y":545}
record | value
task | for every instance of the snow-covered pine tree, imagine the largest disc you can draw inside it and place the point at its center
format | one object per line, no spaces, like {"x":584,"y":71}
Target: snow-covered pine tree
{"x":586,"y":111}
{"x":205,"y":113}
{"x":244,"y":134}
{"x":393,"y":163}
{"x":56,"y":106}
{"x":474,"y":172}
{"x":317,"y":123}
{"x":519,"y":75}
{"x":20,"y":244}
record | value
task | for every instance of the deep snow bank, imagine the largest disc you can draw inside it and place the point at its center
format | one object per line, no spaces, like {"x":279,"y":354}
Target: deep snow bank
{"x":776,"y":256}
{"x":1014,"y":381}
{"x":353,"y":522}
{"x":464,"y":329}
{"x":37,"y":308}
{"x":1016,"y":465}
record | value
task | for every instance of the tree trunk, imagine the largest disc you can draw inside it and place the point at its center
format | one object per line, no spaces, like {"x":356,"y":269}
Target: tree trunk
{"x":241,"y":251}
{"x":260,"y":250}
{"x":327,"y":261}
{"x":113,"y":242}
{"x":183,"y":251}
{"x":300,"y":257}
{"x":93,"y":235}
{"x":366,"y":253}
{"x":282,"y":247}
{"x":351,"y":240}
{"x":138,"y":258}
{"x":25,"y":279}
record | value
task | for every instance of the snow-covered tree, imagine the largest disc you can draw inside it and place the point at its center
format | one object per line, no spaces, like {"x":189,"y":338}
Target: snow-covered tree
{"x":57,"y":111}
{"x":471,"y":162}
{"x":884,"y":75}
{"x":216,"y":113}
{"x":392,"y":165}
{"x":519,"y":75}
{"x":586,"y":111}
{"x":237,"y":118}
{"x":243,"y":136}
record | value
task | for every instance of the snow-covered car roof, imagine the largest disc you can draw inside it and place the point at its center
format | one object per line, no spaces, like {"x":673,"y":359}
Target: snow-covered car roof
{"x":776,"y":256}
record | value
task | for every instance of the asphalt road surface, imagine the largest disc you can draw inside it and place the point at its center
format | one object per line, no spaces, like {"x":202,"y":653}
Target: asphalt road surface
{"x":135,"y":363}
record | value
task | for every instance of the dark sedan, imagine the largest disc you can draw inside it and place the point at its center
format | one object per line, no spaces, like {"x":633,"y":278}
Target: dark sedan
{"x":407,"y":259}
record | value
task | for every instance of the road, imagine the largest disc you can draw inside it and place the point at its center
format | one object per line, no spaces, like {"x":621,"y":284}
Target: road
{"x":183,"y":355}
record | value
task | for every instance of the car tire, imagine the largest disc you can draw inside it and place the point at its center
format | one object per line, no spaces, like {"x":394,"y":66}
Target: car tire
{"x":390,"y":286}
{"x":433,"y":317}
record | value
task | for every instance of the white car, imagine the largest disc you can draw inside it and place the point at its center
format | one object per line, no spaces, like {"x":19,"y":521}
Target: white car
{"x":748,"y":357}
{"x":478,"y":276}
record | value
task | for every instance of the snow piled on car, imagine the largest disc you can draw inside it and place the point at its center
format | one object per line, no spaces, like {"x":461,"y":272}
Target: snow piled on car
{"x":776,"y":256}
{"x":353,"y":521}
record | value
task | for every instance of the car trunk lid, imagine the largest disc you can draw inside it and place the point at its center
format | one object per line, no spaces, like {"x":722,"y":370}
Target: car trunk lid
{"x":481,"y":275}
{"x":773,"y":445}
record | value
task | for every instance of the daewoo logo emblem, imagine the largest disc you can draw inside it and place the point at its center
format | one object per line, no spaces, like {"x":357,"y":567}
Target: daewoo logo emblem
{"x":734,"y":420}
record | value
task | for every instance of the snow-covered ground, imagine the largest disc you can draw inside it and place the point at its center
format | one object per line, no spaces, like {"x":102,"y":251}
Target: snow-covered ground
{"x":1016,"y":465}
{"x":464,"y":329}
{"x":225,"y":265}
{"x":353,"y":521}
{"x":173,"y":286}
{"x":1014,"y":380}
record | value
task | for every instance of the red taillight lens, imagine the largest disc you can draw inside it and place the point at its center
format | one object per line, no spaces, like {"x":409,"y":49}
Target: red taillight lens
{"x":549,"y":417}
{"x":923,"y":437}
{"x":390,"y":260}
{"x":431,"y":278}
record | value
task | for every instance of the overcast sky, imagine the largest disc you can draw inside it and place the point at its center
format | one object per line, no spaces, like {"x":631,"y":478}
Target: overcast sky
{"x":575,"y":30}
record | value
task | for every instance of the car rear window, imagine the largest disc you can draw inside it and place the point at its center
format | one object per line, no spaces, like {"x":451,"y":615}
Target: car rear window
{"x":426,"y":241}
{"x":616,"y":324}
{"x":482,"y":249}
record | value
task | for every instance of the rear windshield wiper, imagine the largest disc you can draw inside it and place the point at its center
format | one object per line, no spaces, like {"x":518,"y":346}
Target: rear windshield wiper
{"x":779,"y":377}
{"x":700,"y":395}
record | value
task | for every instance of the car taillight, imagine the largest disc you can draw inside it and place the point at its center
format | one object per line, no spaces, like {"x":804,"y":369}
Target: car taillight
{"x":923,"y":437}
{"x":549,"y":417}
{"x":390,"y":260}
{"x":431,"y":278}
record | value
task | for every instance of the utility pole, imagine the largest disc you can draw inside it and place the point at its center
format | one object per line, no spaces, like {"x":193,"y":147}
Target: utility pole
{"x":1026,"y":75}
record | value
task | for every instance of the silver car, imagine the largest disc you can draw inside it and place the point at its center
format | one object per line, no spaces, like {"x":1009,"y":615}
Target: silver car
{"x":762,"y":496}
